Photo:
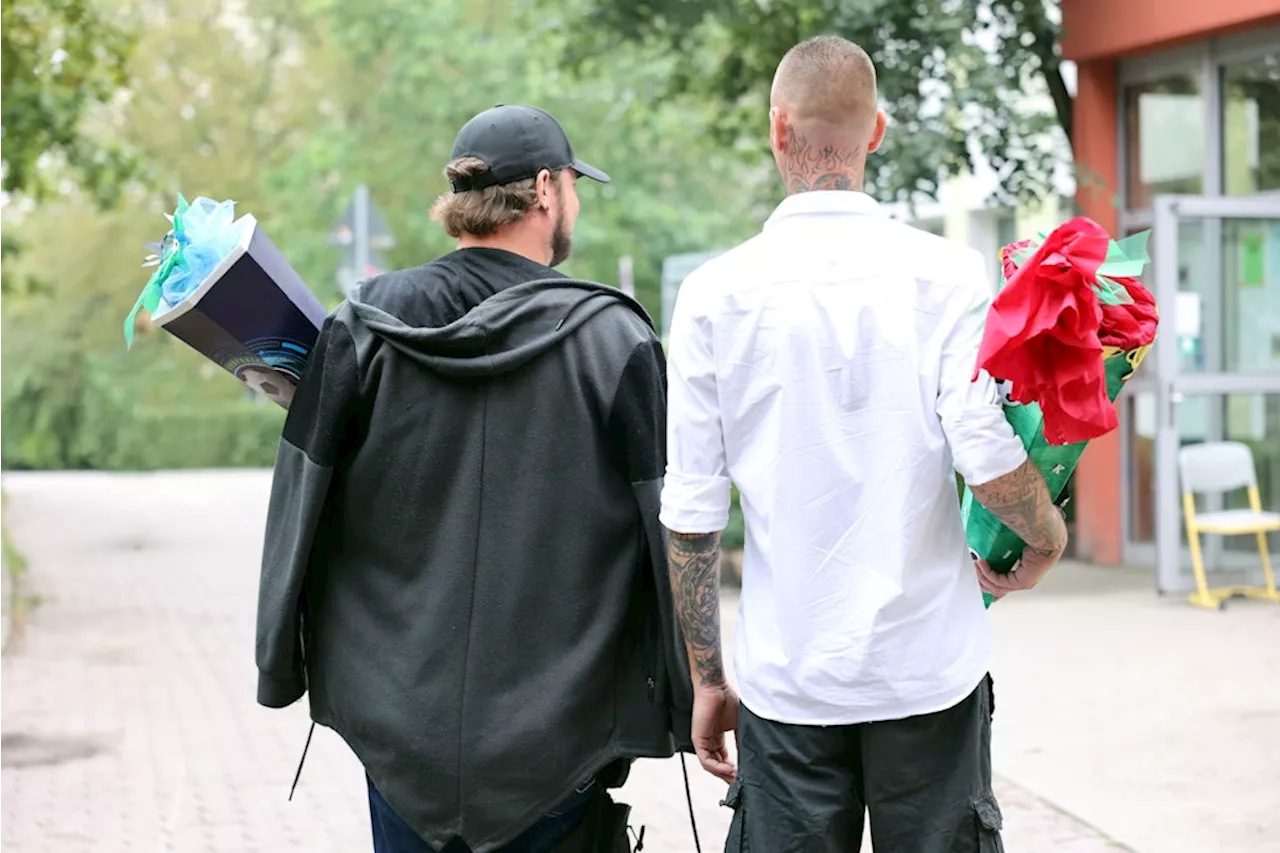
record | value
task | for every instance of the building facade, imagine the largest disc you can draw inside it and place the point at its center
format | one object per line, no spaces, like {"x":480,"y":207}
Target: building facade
{"x":1177,"y":129}
{"x":965,"y":213}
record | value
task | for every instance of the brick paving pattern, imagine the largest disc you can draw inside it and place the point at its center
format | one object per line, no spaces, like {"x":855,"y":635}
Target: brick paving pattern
{"x":129,"y":721}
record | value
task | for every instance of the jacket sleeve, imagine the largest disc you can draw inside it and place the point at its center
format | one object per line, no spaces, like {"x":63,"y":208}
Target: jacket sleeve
{"x":637,"y":421}
{"x":318,"y":423}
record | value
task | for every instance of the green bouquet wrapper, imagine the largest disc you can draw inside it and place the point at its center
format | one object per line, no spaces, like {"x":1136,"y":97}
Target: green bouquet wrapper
{"x":1125,"y":330}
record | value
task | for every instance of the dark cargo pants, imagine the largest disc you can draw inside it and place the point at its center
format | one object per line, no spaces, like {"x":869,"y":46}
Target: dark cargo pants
{"x":925,"y":781}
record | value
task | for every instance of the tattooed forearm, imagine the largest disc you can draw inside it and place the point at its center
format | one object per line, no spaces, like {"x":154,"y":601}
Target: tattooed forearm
{"x":695,"y":584}
{"x":1022,"y":501}
{"x":811,"y":166}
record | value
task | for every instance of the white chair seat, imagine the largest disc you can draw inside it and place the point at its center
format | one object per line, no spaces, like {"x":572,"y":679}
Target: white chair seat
{"x":1236,"y":521}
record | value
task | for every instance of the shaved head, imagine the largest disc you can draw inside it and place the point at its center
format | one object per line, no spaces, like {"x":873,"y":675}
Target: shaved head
{"x":826,"y":79}
{"x":824,"y":114}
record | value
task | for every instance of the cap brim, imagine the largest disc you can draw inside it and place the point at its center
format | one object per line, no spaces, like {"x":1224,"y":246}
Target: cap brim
{"x":589,"y":171}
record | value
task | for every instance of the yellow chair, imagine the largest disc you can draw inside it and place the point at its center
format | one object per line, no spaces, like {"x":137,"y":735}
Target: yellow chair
{"x":1216,"y":467}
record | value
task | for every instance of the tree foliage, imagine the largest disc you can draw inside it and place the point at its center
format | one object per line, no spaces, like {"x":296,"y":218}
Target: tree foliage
{"x":196,"y":118}
{"x":60,"y":61}
{"x":409,"y":74}
{"x":285,"y":106}
{"x":954,"y":75}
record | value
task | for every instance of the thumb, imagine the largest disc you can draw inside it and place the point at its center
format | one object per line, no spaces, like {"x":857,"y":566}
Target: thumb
{"x":716,"y":764}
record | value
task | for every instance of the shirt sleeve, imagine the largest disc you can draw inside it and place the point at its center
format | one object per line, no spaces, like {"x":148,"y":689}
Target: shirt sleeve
{"x":983,"y":444}
{"x":696,"y":491}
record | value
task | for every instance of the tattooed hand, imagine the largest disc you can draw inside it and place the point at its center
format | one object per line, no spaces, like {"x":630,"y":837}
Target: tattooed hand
{"x":695,"y":585}
{"x":1025,"y":574}
{"x":1022,"y":501}
{"x":715,"y":711}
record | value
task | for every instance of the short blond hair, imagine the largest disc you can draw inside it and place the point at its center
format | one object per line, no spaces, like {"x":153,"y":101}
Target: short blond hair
{"x":827,"y":79}
{"x":482,"y":212}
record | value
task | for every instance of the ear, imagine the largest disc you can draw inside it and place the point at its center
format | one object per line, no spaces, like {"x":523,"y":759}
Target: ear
{"x":877,"y":136}
{"x":779,"y":130}
{"x":544,"y":185}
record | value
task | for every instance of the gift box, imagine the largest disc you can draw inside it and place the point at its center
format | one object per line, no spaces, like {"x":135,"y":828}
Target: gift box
{"x":223,"y":289}
{"x":1069,"y":328}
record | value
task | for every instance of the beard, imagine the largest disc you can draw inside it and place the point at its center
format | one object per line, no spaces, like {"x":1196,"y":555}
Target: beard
{"x":561,"y":241}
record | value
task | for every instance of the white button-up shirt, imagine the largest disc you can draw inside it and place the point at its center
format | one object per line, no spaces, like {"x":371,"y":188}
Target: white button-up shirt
{"x":825,"y":367}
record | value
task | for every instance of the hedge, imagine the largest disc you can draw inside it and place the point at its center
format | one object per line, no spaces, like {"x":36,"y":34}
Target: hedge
{"x":238,"y":436}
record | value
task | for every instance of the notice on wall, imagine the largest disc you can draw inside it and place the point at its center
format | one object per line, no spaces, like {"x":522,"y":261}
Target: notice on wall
{"x":1253,"y":260}
{"x":1187,"y":312}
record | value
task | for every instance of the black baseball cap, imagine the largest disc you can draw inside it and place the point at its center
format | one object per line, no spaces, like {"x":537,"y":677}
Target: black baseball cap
{"x":516,"y":143}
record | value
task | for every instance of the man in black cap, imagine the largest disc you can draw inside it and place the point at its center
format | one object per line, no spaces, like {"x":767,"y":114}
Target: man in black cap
{"x":463,"y":563}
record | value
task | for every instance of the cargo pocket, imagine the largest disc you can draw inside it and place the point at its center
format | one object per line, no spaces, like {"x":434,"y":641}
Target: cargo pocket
{"x":736,"y":842}
{"x":989,"y":823}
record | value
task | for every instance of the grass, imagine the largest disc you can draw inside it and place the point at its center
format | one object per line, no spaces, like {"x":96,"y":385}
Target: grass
{"x":15,"y":562}
{"x":19,"y":604}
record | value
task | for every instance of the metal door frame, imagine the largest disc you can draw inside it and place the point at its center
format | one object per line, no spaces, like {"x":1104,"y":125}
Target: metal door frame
{"x":1171,"y":385}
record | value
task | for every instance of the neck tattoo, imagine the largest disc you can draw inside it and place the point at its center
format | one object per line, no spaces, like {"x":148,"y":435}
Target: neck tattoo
{"x":821,"y":167}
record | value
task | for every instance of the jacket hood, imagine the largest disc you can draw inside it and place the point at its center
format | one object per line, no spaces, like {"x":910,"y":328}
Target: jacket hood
{"x":504,"y":332}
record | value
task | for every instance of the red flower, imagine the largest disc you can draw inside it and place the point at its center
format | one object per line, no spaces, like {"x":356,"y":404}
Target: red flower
{"x":1042,"y":334}
{"x":1130,"y":326}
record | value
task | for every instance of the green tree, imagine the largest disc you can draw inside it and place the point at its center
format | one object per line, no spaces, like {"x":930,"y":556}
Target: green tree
{"x":61,"y":60}
{"x":408,"y":74}
{"x":225,"y":99}
{"x":284,"y":108}
{"x":953,"y":75}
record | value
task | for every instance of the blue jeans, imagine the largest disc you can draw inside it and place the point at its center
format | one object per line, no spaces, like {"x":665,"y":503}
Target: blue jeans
{"x":392,"y":835}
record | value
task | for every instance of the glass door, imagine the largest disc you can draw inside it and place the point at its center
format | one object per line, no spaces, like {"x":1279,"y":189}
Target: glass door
{"x":1216,"y":369}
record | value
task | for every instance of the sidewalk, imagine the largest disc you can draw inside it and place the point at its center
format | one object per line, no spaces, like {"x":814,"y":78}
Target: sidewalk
{"x":1154,"y":720}
{"x":5,"y":583}
{"x":129,"y":722}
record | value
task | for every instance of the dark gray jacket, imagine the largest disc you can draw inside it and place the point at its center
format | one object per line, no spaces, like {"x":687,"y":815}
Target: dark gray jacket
{"x":463,"y":561}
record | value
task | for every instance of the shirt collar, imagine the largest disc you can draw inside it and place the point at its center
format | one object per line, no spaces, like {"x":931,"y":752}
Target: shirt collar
{"x":824,"y":202}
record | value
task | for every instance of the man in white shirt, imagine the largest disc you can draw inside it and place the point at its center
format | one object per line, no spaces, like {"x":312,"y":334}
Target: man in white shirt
{"x":826,"y":367}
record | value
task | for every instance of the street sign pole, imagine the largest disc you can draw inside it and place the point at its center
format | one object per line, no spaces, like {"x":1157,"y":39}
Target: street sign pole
{"x":361,"y":217}
{"x":627,"y":276}
{"x":363,"y":236}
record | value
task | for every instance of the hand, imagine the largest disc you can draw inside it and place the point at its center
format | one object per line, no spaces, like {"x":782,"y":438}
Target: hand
{"x":1026,"y":573}
{"x":715,"y":711}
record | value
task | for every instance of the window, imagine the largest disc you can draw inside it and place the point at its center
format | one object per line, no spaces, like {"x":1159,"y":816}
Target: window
{"x":1251,"y":126}
{"x":1165,"y":135}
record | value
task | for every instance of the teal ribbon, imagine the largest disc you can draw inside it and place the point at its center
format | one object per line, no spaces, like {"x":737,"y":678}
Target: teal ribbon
{"x":171,"y":257}
{"x":1125,"y":259}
